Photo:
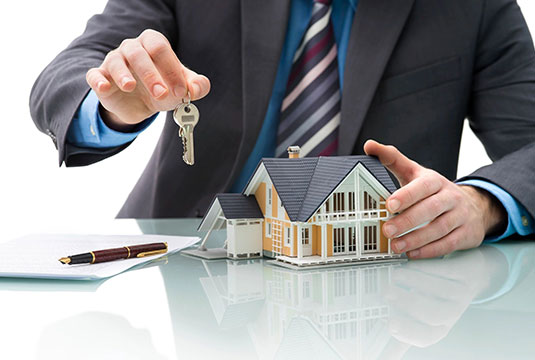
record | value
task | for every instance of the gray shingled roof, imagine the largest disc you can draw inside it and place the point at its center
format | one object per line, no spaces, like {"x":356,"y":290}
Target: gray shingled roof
{"x":238,"y":206}
{"x":292,"y":178}
{"x":303,"y":184}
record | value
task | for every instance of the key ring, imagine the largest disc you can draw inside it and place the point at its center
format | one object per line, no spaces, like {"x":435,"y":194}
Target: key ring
{"x":183,"y":102}
{"x":189,"y":99}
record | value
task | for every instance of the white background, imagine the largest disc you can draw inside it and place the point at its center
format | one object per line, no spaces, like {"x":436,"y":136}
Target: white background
{"x":33,"y":189}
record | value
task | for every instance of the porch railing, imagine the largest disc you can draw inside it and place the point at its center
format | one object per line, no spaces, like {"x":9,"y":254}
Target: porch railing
{"x":363,"y":215}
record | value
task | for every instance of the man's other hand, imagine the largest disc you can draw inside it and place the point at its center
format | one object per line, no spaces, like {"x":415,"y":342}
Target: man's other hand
{"x":458,"y":217}
{"x":142,"y":77}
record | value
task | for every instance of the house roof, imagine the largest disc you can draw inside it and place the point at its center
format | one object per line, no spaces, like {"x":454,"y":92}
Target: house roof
{"x":303,"y":184}
{"x":239,"y":206}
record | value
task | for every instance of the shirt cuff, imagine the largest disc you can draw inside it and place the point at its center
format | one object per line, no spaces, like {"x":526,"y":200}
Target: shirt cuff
{"x":519,"y":221}
{"x":89,"y":130}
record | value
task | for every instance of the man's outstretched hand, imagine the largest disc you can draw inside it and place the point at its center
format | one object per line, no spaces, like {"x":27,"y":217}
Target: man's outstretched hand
{"x":459,"y":216}
{"x":140,"y":78}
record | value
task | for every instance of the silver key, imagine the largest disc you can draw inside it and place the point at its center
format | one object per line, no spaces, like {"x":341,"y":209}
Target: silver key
{"x":186,"y":116}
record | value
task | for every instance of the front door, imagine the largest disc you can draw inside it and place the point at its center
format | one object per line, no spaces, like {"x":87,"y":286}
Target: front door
{"x":306,"y":241}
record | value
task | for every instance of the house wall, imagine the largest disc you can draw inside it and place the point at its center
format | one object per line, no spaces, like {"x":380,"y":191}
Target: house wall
{"x":274,"y":202}
{"x":266,"y":241}
{"x":244,"y":238}
{"x":329,"y":240}
{"x":383,"y":240}
{"x":316,"y":240}
{"x":260,"y":196}
{"x":273,"y":212}
{"x":295,"y":239}
{"x":286,"y":250}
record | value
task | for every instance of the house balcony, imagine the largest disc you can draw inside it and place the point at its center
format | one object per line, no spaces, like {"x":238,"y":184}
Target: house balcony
{"x":364,"y":215}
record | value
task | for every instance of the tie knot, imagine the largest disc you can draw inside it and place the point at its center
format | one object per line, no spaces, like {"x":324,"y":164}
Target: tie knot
{"x":323,"y":2}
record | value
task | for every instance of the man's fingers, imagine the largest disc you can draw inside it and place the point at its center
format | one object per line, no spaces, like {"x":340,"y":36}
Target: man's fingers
{"x":115,"y":65}
{"x":166,"y":61}
{"x":418,"y":214}
{"x":437,"y":229}
{"x":402,"y":167}
{"x":198,"y":85}
{"x":417,"y":190}
{"x":446,"y":245}
{"x":97,"y":80}
{"x":143,"y":66}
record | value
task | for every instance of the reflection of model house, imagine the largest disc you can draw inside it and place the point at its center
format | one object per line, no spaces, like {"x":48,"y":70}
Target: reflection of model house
{"x":235,"y":291}
{"x":308,"y":211}
{"x":338,"y":313}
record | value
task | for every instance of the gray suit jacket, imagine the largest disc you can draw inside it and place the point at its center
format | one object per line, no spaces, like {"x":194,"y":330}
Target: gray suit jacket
{"x":415,"y":69}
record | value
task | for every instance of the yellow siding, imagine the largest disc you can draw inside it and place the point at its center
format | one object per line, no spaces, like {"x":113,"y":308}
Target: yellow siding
{"x":260,"y":196}
{"x":383,"y":240}
{"x":295,"y":239}
{"x":329,"y":240}
{"x":316,"y":243}
{"x":266,"y":241}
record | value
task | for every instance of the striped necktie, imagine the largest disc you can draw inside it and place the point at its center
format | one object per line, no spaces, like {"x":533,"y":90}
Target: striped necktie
{"x":310,"y":112}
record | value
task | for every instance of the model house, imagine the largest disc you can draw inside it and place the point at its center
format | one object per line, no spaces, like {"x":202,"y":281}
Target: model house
{"x":307,"y":211}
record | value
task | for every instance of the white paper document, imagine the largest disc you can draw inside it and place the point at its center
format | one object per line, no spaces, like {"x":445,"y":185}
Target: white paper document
{"x":37,"y":256}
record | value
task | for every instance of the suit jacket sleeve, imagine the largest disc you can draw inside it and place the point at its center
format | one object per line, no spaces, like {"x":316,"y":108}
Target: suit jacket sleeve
{"x":61,"y":87}
{"x":502,"y":108}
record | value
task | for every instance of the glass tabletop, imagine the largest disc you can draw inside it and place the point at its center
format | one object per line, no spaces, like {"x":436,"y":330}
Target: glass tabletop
{"x":471,"y":304}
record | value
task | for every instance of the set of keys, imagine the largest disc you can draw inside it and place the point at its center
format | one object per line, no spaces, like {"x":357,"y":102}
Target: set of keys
{"x":186,"y":115}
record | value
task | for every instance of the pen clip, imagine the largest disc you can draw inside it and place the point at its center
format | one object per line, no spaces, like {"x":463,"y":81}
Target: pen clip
{"x":154,"y":252}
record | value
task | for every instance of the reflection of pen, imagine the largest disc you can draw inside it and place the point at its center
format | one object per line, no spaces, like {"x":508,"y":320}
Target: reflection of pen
{"x":125,"y":252}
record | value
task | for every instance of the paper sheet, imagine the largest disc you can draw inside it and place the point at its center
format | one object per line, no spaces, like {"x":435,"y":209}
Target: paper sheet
{"x":37,"y":256}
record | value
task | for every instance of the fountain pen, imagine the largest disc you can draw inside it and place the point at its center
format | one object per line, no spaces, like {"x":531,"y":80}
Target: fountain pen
{"x":125,"y":252}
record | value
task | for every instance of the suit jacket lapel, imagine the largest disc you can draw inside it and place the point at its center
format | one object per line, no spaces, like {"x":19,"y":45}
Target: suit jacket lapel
{"x":264,"y":24}
{"x":376,"y":28}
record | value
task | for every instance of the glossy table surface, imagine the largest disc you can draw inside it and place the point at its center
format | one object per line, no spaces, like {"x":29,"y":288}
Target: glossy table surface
{"x":476,"y":304}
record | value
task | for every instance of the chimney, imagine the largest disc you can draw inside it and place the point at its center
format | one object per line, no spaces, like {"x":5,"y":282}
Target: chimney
{"x":293,"y":152}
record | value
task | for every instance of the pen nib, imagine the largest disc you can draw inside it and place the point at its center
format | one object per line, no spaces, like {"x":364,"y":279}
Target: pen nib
{"x":65,"y":260}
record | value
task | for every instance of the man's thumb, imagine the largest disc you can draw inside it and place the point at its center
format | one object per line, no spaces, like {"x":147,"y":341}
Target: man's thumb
{"x":402,"y":167}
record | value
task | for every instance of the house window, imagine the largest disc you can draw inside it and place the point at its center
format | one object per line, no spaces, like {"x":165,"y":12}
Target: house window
{"x":288,"y":237}
{"x":268,"y":229}
{"x":338,"y":202}
{"x":370,"y":238}
{"x":369,"y":202}
{"x":327,"y":206}
{"x":339,"y":241}
{"x":269,"y":209}
{"x":351,"y":199}
{"x":305,"y":236}
{"x":352,"y":239}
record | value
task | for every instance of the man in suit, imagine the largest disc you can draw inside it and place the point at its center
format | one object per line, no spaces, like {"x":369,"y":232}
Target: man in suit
{"x":325,"y":75}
